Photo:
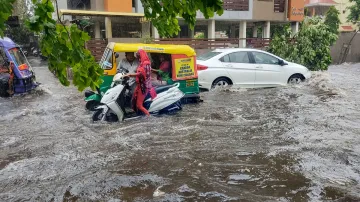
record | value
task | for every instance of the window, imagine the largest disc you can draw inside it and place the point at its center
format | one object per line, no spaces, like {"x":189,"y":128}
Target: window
{"x":262,"y":58}
{"x":237,"y":57}
{"x":79,"y":4}
{"x":106,"y":60}
{"x":208,"y":55}
{"x":17,"y":56}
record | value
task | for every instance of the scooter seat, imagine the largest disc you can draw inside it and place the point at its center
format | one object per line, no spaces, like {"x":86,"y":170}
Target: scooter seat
{"x":159,"y":89}
{"x":89,"y":93}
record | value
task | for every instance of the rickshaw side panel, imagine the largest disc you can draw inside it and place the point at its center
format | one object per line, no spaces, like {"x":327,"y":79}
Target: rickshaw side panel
{"x":93,"y":97}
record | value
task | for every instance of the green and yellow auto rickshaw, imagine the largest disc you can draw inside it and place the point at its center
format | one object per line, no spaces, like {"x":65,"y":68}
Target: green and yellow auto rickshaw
{"x":183,"y":68}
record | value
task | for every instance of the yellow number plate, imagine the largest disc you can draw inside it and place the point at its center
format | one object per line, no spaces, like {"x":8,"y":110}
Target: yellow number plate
{"x":190,"y":84}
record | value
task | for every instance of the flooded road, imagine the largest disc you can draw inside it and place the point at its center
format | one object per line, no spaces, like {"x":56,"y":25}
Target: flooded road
{"x":297,"y":143}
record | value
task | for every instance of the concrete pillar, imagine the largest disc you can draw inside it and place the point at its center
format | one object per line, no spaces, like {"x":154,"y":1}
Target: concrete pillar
{"x":191,"y":33}
{"x":313,"y":13}
{"x":97,"y":30}
{"x":266,"y":30}
{"x":108,"y":27}
{"x":242,"y":34}
{"x":255,"y":34}
{"x":211,"y":29}
{"x":294,"y":28}
{"x":155,"y":33}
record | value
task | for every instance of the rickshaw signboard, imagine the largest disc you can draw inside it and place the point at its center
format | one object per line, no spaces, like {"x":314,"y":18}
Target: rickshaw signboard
{"x":184,"y":68}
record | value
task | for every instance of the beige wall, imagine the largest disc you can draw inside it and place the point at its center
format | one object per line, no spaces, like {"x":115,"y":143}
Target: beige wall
{"x":264,"y":10}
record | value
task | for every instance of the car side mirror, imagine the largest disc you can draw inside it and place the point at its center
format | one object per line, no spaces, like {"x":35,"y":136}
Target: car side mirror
{"x":116,"y":55}
{"x":282,"y":63}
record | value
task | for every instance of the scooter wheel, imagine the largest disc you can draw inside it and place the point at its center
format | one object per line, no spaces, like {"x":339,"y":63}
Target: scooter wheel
{"x":98,"y":115}
{"x":91,"y":105}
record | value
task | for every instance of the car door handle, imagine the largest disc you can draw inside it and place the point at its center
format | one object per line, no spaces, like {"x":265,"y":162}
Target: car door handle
{"x":259,"y":67}
{"x":228,"y":65}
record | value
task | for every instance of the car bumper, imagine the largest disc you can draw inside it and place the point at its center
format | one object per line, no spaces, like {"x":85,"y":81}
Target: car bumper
{"x":308,"y":75}
{"x":204,"y":85}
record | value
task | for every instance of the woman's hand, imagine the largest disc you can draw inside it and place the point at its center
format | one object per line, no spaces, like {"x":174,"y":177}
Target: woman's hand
{"x":154,"y":70}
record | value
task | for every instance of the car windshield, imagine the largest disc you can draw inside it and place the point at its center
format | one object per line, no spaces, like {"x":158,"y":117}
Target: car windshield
{"x":208,"y":55}
{"x":106,"y":60}
{"x":17,"y":56}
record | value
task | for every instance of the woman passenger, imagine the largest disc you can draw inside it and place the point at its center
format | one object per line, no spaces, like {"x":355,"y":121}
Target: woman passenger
{"x":143,"y":82}
{"x":163,"y":73}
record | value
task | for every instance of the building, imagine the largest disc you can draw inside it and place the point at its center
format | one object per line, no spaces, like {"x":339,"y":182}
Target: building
{"x":320,"y":7}
{"x":123,"y":20}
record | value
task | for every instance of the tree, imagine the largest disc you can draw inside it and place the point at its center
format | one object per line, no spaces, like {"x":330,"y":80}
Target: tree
{"x":64,"y":45}
{"x":311,"y":47}
{"x":354,"y":15}
{"x":332,"y":19}
{"x":163,"y":14}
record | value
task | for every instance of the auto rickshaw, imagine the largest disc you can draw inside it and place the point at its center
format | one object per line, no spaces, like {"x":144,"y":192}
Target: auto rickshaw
{"x":19,"y":71}
{"x":183,"y":69}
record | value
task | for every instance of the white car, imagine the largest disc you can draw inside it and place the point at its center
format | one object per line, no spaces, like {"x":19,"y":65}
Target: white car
{"x":247,"y":68}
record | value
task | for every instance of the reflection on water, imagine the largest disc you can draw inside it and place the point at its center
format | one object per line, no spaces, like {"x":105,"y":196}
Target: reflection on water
{"x":297,"y":143}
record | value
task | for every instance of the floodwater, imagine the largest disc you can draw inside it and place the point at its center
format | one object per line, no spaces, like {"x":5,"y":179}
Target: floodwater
{"x":296,"y":143}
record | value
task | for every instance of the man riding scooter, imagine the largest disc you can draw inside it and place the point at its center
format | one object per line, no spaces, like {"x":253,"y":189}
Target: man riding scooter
{"x":130,"y":63}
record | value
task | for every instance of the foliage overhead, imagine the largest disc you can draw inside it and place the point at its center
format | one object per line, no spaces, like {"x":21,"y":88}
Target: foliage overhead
{"x":64,"y":45}
{"x":6,"y":7}
{"x":332,"y":19}
{"x":354,"y":15}
{"x":163,"y":14}
{"x":311,"y":47}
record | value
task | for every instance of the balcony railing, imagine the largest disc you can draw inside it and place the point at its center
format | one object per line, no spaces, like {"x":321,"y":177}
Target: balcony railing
{"x":236,"y":5}
{"x":279,"y":6}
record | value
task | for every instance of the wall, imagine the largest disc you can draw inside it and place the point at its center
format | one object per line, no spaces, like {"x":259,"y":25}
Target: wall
{"x":138,"y":7}
{"x":62,"y":4}
{"x":118,"y":6}
{"x":232,"y":15}
{"x":264,"y":10}
{"x":354,"y":53}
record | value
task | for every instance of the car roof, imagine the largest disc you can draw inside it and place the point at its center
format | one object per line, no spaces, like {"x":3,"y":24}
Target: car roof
{"x":226,"y":50}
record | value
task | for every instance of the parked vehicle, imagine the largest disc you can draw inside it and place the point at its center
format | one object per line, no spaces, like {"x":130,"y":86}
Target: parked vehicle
{"x":23,"y":75}
{"x":183,"y":70}
{"x":116,"y":102}
{"x":248,"y":68}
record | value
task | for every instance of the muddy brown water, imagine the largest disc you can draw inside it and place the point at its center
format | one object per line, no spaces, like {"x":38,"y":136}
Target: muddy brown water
{"x":294,"y":143}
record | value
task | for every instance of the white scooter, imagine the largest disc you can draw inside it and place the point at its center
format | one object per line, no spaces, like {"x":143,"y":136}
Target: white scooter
{"x":116,"y":102}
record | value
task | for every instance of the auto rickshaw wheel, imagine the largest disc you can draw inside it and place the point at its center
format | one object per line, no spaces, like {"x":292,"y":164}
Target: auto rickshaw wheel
{"x":91,"y":105}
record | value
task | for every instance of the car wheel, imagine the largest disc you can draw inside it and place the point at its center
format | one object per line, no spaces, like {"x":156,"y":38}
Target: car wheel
{"x":221,"y":83}
{"x":296,"y":79}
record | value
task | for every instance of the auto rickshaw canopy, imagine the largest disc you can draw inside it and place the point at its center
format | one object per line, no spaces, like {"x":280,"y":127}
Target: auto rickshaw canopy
{"x":152,"y":48}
